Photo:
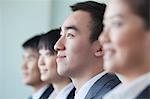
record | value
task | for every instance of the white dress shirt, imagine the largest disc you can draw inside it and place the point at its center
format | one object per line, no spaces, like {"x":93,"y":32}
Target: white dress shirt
{"x":131,"y":90}
{"x":86,"y":87}
{"x":38,"y":94}
{"x":63,"y":93}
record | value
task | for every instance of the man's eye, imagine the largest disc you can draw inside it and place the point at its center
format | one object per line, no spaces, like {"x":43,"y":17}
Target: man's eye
{"x":30,"y":59}
{"x":117,"y":24}
{"x":70,"y":35}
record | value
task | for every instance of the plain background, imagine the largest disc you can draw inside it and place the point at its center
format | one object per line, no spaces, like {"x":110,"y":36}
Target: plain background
{"x":19,"y":20}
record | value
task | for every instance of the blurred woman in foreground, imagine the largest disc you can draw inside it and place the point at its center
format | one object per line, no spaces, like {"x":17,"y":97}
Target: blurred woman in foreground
{"x":126,"y":43}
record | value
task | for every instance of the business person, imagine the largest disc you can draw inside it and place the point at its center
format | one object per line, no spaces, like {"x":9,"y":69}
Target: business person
{"x":125,"y":40}
{"x":31,"y":74}
{"x":63,"y":88}
{"x":80,"y":54}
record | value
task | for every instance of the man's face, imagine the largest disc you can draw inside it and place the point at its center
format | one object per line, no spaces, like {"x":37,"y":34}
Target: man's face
{"x":75,"y":50}
{"x":30,"y":67}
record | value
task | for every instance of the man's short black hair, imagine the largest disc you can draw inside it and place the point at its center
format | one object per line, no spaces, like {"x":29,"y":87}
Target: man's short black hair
{"x":96,"y":11}
{"x":32,"y":42}
{"x":49,"y":39}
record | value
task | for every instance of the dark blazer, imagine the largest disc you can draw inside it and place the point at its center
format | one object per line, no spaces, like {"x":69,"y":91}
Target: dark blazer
{"x":106,"y":83}
{"x":50,"y":89}
{"x":71,"y":94}
{"x":145,"y":94}
{"x":47,"y":92}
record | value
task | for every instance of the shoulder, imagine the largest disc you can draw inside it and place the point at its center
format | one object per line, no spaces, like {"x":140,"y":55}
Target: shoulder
{"x":111,"y":82}
{"x":103,"y":85}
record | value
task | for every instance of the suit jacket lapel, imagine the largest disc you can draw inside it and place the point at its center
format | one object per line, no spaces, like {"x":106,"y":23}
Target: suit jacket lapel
{"x":98,"y":87}
{"x":47,"y":92}
{"x":145,"y":94}
{"x":71,"y":94}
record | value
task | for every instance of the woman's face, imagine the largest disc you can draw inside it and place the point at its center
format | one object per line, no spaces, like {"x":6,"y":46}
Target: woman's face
{"x":47,"y":65}
{"x":124,"y":39}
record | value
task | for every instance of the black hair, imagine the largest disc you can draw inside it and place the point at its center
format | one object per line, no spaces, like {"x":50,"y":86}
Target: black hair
{"x":96,"y":11}
{"x":32,"y":42}
{"x":141,"y":8}
{"x":49,"y":39}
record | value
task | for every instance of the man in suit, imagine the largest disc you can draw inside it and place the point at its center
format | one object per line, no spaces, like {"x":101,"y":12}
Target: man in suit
{"x":80,"y":54}
{"x":31,"y":74}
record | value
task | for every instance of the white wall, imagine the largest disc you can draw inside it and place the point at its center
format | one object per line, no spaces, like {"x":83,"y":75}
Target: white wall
{"x":0,"y":48}
{"x":20,"y":20}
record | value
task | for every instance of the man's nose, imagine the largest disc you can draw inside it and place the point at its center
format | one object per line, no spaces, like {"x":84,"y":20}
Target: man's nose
{"x":60,"y":44}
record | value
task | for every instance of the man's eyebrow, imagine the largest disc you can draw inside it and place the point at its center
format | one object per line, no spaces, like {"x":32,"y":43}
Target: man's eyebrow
{"x":66,"y":28}
{"x":31,"y":56}
{"x":71,"y":28}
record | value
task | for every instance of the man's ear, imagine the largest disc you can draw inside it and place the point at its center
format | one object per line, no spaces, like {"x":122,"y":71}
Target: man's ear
{"x":98,"y":50}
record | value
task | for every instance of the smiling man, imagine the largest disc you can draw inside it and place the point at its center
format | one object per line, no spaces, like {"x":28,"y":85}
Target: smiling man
{"x":31,"y":73}
{"x":80,"y":54}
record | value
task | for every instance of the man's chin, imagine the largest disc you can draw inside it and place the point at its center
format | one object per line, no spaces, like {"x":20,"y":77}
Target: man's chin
{"x":62,"y":73}
{"x":27,"y":82}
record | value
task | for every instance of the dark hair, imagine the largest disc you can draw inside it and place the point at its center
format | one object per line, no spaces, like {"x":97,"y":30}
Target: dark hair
{"x":49,"y":39}
{"x":96,"y":11}
{"x":32,"y":42}
{"x":141,"y":8}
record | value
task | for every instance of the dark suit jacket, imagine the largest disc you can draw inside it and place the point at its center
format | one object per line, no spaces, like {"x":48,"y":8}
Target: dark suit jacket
{"x":106,"y":83}
{"x":71,"y":94}
{"x":145,"y":94}
{"x":50,"y":89}
{"x":47,"y":92}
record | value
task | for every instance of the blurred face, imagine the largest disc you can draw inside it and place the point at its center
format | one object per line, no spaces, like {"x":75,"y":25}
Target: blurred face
{"x":75,"y":51}
{"x":30,"y":67}
{"x":125,"y":39}
{"x":47,"y":65}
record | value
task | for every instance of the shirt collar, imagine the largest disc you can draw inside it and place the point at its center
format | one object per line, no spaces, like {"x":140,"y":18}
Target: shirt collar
{"x":65,"y":91}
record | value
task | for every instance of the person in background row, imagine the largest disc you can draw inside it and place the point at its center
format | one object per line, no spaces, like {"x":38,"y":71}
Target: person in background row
{"x":63,"y":88}
{"x":80,"y":54}
{"x":126,"y":44}
{"x":31,"y":74}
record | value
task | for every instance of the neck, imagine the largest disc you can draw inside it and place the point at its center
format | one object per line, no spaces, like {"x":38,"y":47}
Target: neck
{"x":133,"y":75}
{"x":37,"y":87}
